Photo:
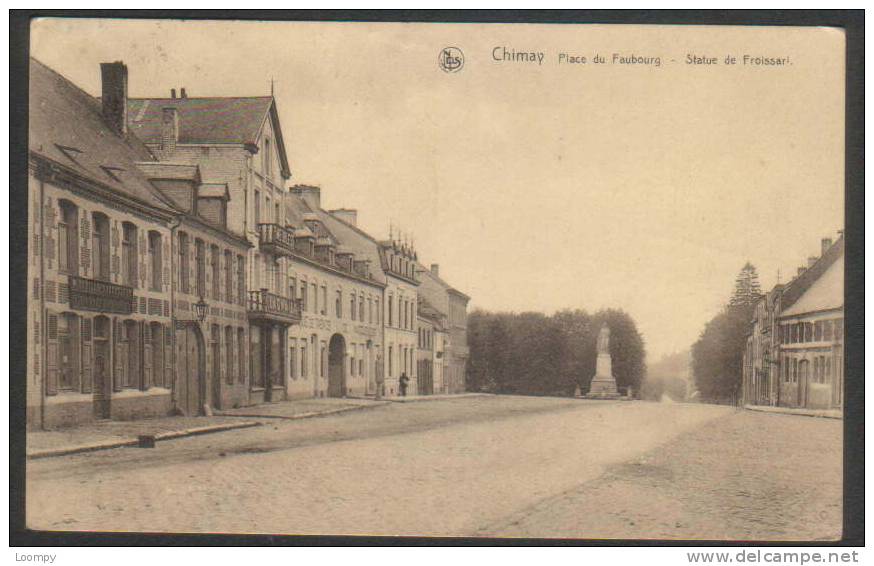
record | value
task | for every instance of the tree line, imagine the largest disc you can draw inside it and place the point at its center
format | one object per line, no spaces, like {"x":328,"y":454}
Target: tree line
{"x":531,"y":353}
{"x":717,"y":356}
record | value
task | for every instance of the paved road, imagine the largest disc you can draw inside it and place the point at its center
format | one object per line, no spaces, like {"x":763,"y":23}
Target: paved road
{"x":508,"y":466}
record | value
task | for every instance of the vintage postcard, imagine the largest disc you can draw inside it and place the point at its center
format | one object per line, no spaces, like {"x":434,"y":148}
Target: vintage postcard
{"x":505,"y":280}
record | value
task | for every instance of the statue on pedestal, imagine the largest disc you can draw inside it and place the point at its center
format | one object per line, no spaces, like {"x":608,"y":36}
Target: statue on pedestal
{"x":603,"y":385}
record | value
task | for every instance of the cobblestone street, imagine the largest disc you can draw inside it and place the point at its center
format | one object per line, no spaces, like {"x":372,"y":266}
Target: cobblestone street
{"x":499,"y":466}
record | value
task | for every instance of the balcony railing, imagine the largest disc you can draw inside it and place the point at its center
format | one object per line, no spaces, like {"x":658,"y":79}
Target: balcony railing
{"x":275,"y":239}
{"x":270,"y":307}
{"x":102,"y":296}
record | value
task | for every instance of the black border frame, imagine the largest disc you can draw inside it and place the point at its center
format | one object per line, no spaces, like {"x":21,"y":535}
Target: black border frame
{"x":853,"y":23}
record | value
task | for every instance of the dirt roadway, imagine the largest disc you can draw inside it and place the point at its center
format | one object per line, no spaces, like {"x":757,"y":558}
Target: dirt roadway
{"x":479,"y":466}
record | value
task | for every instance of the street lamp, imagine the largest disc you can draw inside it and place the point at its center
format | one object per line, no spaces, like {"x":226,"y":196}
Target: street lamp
{"x":200,"y":309}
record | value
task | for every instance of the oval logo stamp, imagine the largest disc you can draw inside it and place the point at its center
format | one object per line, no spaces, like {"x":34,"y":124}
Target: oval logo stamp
{"x":451,"y":59}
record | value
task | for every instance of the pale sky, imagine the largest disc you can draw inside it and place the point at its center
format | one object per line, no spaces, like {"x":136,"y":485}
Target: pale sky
{"x":535,"y":187}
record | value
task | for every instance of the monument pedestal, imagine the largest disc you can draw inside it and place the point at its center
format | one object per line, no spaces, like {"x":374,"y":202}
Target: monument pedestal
{"x":603,"y":385}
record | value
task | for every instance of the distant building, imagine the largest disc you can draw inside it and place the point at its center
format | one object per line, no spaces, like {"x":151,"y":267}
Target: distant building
{"x":453,"y":303}
{"x":795,"y":349}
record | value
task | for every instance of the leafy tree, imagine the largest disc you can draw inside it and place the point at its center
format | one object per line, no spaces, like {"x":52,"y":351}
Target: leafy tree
{"x":534,"y":354}
{"x":717,"y":356}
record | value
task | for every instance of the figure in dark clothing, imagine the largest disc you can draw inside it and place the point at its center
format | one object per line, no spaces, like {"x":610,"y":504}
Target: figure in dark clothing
{"x":404,"y":381}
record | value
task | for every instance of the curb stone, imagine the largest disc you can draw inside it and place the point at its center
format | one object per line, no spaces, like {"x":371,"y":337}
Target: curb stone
{"x":54,"y":452}
{"x":308,"y":415}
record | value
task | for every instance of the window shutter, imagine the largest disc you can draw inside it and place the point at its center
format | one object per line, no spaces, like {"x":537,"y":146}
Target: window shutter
{"x":118,"y":376}
{"x":168,"y":357}
{"x":87,"y":376}
{"x":52,"y":355}
{"x":147,"y":356}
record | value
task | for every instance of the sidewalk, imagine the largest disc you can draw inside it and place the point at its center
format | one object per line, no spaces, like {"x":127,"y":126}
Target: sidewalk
{"x":104,"y":435}
{"x":303,"y":408}
{"x":823,"y":413}
{"x":437,"y":397}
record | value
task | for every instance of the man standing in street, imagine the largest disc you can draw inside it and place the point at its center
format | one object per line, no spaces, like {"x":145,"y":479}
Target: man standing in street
{"x":403,"y":382}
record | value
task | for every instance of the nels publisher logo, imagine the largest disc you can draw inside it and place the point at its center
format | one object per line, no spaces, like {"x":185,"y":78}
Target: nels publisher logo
{"x":451,"y":59}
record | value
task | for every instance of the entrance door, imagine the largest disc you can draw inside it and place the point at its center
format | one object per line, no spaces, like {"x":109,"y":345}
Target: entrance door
{"x":190,"y":380}
{"x":336,"y":369}
{"x":102,"y":379}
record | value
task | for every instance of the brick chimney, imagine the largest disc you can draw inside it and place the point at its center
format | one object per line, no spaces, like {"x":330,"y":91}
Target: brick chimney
{"x":169,"y":130}
{"x":348,"y":215}
{"x":826,"y":244}
{"x":182,"y":93}
{"x":173,"y":93}
{"x":811,"y":260}
{"x":113,"y":77}
{"x":310,"y":195}
{"x":435,"y":269}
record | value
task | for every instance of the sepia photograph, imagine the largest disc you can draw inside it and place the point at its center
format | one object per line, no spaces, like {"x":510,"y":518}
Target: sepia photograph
{"x":483,"y":280}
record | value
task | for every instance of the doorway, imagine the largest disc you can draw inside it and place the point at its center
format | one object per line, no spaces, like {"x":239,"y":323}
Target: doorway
{"x":102,"y":363}
{"x":336,"y":366}
{"x":190,"y":382}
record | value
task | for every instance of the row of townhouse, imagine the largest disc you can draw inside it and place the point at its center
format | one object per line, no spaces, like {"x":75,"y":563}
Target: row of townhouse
{"x":794,"y":354}
{"x":174,"y":271}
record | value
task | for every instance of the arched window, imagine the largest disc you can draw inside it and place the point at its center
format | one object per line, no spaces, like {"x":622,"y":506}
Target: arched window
{"x":155,"y":260}
{"x":100,"y":245}
{"x":68,"y":228}
{"x":129,"y":254}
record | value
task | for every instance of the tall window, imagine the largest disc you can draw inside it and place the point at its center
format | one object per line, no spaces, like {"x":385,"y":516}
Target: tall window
{"x":241,"y":355}
{"x":376,"y":310}
{"x":322,"y":359}
{"x":314,"y":290}
{"x":257,"y":207}
{"x":352,"y":309}
{"x":292,"y":288}
{"x":229,"y":282}
{"x":391,"y":309}
{"x":155,"y":263}
{"x":215,"y":260}
{"x":68,"y":228}
{"x":303,"y":358}
{"x":100,"y":245}
{"x":156,"y":340}
{"x":68,"y":351}
{"x":200,"y":266}
{"x":129,"y":254}
{"x":229,"y":354}
{"x":324,"y":310}
{"x":391,"y":360}
{"x":184,"y":266}
{"x":338,"y":305}
{"x":303,"y":295}
{"x":292,"y":358}
{"x":130,"y":352}
{"x":241,"y":280}
{"x":257,"y":379}
{"x":267,"y":166}
{"x":361,"y":309}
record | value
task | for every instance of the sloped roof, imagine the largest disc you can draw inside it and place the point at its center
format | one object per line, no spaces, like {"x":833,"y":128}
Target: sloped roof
{"x":355,"y":240}
{"x":436,"y":278}
{"x":799,"y":286}
{"x":825,"y":293}
{"x":213,"y":120}
{"x":427,"y":310}
{"x":66,"y":125}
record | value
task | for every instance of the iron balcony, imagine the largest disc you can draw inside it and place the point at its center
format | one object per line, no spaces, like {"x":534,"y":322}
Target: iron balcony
{"x":101,"y":296}
{"x":271,"y":308}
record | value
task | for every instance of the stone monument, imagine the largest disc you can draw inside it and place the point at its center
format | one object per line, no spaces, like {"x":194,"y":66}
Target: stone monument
{"x":603,"y":385}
